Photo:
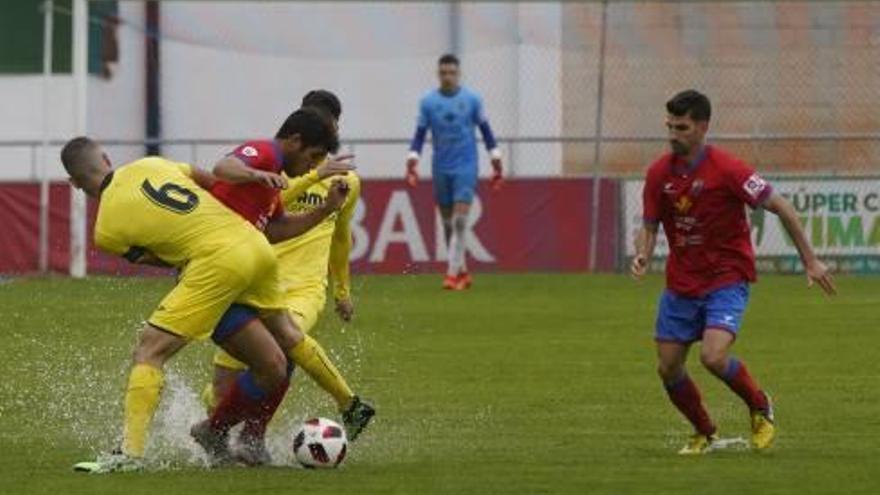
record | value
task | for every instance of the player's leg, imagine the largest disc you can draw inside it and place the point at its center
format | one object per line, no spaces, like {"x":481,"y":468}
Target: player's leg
{"x":225,"y":370}
{"x":142,"y":395}
{"x":308,"y":354}
{"x":145,"y":382}
{"x":305,"y":351}
{"x":715,"y":356}
{"x":724,"y":311}
{"x":251,"y":448}
{"x":254,"y":429}
{"x":443,"y":197}
{"x":250,"y":393}
{"x":684,"y":394}
{"x":464,"y":189}
{"x":679,"y":322}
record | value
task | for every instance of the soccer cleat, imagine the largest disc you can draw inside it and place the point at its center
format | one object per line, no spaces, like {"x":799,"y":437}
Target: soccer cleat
{"x":215,"y":443}
{"x":450,"y":282}
{"x":357,"y":417}
{"x":114,"y":462}
{"x":698,"y":444}
{"x":465,"y":280}
{"x":763,"y":426}
{"x":252,"y":451}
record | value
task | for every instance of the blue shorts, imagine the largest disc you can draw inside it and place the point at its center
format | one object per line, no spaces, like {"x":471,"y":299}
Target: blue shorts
{"x":683,"y":319}
{"x":454,"y":186}
{"x":233,"y":320}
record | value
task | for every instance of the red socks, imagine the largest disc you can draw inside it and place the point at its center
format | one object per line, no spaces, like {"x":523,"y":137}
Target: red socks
{"x":684,"y":393}
{"x":737,"y":377}
{"x":255,"y":427}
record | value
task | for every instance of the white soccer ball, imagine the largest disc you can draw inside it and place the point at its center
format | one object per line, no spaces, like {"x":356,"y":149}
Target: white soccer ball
{"x":320,"y":443}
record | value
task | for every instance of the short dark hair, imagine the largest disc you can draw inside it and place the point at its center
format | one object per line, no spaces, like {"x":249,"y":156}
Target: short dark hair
{"x":325,"y":100}
{"x":448,"y":58}
{"x":691,"y":103}
{"x":314,"y":127}
{"x":74,"y":155}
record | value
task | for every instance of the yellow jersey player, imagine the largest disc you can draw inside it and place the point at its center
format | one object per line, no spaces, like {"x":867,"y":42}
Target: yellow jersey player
{"x":156,"y":211}
{"x":303,"y":266}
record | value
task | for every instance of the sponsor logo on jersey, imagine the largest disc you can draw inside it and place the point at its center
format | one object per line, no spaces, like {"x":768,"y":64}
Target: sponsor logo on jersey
{"x":754,"y":186}
{"x":683,"y":205}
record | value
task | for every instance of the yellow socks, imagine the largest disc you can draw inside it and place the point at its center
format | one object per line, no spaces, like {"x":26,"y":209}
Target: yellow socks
{"x":141,"y":398}
{"x":310,"y":356}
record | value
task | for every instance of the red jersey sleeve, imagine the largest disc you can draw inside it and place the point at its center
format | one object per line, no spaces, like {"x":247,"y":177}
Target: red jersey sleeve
{"x":747,"y":184}
{"x":261,"y":155}
{"x":652,"y":194}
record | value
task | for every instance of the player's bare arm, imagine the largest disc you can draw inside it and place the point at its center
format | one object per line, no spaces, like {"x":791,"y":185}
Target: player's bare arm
{"x":645,"y":242}
{"x":232,"y":169}
{"x":817,"y":272}
{"x":203,"y":178}
{"x":292,"y":225}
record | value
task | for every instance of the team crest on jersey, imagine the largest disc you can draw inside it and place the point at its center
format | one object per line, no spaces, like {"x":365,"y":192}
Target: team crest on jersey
{"x":697,"y":187}
{"x":754,"y":186}
{"x":249,"y":151}
{"x":683,"y":205}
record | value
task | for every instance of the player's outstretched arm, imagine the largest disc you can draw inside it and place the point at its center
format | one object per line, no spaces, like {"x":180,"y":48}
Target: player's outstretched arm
{"x":292,"y":225}
{"x":816,"y":270}
{"x":340,"y":253}
{"x":645,"y":242}
{"x":333,"y":166}
{"x":232,"y":169}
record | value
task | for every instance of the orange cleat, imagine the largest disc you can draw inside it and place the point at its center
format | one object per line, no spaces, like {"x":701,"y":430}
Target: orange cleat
{"x":450,"y":282}
{"x":465,"y":280}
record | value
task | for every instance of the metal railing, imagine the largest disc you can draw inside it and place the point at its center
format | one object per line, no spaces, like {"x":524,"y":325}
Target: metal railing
{"x":31,"y":147}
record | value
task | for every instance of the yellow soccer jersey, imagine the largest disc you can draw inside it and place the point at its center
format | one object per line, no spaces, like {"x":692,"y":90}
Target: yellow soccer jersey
{"x":303,"y":261}
{"x":154,"y":204}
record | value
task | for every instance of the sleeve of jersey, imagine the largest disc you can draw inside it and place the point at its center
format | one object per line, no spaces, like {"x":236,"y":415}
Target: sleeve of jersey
{"x":482,"y":122}
{"x":297,"y":186}
{"x":259,"y":155}
{"x":340,"y":248}
{"x":112,"y":244}
{"x":418,"y":140}
{"x":748,"y":185}
{"x":651,"y":195}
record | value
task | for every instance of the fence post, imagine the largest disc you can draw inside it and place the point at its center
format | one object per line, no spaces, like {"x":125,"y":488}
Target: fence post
{"x":597,"y":149}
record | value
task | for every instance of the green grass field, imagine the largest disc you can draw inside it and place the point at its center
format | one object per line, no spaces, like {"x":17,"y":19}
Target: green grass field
{"x":525,"y":384}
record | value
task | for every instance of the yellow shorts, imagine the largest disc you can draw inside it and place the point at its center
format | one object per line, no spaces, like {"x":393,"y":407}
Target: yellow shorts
{"x":303,"y":311}
{"x":246,"y":272}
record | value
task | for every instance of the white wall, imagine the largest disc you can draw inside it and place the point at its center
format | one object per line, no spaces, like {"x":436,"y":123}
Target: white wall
{"x":116,"y":107}
{"x":233,"y":70}
{"x":254,"y":62}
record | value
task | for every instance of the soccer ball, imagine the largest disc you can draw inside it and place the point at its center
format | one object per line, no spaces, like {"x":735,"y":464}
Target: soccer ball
{"x":320,"y":443}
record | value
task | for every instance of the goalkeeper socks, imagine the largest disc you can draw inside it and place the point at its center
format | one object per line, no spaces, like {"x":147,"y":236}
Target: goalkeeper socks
{"x":683,"y":392}
{"x":244,"y":400}
{"x":737,"y":377}
{"x":457,"y":244}
{"x":141,"y":398}
{"x":310,"y":356}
